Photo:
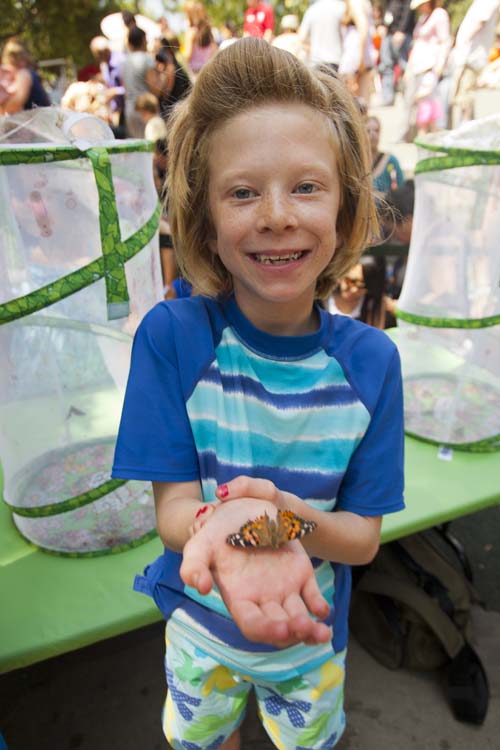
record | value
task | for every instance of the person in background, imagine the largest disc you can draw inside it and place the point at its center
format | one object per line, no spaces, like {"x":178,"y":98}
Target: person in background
{"x":138,"y":78}
{"x":386,"y":171}
{"x":395,"y":46}
{"x":171,"y":79}
{"x":259,"y":20}
{"x":288,"y":39}
{"x":358,"y":51}
{"x":321,"y":33}
{"x":397,"y":224}
{"x":148,"y":107}
{"x":110,"y":67}
{"x":361,"y":294}
{"x":199,"y":42}
{"x":25,"y":89}
{"x":474,"y":40}
{"x":229,"y":33}
{"x":429,"y":52}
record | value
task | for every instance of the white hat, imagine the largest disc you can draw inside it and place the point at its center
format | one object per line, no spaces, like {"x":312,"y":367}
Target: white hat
{"x":417,"y":3}
{"x":290,"y":22}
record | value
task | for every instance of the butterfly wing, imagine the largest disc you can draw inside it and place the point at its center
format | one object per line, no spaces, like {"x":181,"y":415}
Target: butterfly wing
{"x":291,"y":526}
{"x":256,"y":533}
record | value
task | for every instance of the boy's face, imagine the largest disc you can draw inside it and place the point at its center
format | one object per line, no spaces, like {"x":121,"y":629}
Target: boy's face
{"x":274,"y":197}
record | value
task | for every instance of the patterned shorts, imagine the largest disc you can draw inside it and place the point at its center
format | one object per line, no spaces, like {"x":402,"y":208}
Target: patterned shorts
{"x":206,"y":702}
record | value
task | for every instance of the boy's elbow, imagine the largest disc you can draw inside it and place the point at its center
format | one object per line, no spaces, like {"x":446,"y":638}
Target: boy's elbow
{"x":370,"y":552}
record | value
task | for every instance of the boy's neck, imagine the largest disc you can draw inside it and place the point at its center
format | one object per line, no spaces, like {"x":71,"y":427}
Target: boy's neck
{"x":283,"y":319}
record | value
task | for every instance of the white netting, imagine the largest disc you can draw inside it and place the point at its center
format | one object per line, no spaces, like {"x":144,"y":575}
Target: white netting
{"x":64,"y":367}
{"x":449,"y":337}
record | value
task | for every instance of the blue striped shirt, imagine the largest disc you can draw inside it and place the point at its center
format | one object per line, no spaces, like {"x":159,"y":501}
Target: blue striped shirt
{"x":211,"y":397}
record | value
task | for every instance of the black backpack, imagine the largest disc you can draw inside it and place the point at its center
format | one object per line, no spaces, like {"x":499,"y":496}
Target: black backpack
{"x":411,"y":607}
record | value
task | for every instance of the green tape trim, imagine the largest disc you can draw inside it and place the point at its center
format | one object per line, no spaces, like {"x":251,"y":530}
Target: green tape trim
{"x":46,"y":153}
{"x":117,"y":296}
{"x":79,"y":279}
{"x":72,"y":503}
{"x":100,"y":553}
{"x":487,"y":445}
{"x":467,"y":159}
{"x":470,"y":323}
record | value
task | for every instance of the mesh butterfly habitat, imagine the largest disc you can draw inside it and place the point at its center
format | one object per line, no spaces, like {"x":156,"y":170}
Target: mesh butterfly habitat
{"x":79,"y":267}
{"x":448,"y":330}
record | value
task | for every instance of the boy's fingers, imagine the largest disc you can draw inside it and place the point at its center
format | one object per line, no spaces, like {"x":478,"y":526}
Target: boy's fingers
{"x":243,"y":486}
{"x":314,"y":599}
{"x":257,"y":626}
{"x":195,"y":568}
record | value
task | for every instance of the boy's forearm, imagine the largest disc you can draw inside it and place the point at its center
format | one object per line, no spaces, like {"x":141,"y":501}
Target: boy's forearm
{"x":343,"y":537}
{"x":176,"y":510}
{"x":340,"y":536}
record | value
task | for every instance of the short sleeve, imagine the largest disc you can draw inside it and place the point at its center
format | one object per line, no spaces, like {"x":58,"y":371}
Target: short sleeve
{"x":155,"y":441}
{"x":374,"y":480}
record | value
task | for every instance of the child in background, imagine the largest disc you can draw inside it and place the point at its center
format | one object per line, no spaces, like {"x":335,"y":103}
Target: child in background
{"x":249,"y":399}
{"x":148,"y":107}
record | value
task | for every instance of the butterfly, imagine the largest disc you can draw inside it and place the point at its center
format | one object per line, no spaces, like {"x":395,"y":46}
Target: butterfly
{"x":267,"y":532}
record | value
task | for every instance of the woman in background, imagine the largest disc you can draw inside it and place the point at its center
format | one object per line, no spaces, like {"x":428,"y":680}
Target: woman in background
{"x":361,"y":294}
{"x":387,"y":174}
{"x":25,"y":89}
{"x":199,"y":43}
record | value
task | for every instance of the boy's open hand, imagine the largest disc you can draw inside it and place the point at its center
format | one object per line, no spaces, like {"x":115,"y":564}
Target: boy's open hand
{"x":271,"y":594}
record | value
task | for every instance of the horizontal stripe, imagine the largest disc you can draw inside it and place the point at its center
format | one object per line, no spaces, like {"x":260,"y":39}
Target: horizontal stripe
{"x":323,"y":486}
{"x":245,"y":386}
{"x":279,"y":377}
{"x":209,"y":485}
{"x":238,"y":411}
{"x":275,"y":666}
{"x":310,"y":427}
{"x":249,"y":449}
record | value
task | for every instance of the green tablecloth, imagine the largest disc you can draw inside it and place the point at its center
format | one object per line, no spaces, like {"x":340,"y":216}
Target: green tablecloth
{"x":50,"y":605}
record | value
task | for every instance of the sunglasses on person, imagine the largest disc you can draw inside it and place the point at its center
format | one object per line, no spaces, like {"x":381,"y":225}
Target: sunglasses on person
{"x":353,"y":283}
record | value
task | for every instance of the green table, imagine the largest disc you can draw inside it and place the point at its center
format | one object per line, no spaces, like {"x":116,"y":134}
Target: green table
{"x":50,"y":605}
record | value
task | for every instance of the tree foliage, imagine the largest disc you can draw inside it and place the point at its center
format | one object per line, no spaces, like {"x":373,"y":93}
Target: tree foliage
{"x":55,"y":28}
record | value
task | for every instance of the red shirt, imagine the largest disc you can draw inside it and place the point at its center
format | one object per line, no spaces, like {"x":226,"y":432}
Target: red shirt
{"x":258,"y":20}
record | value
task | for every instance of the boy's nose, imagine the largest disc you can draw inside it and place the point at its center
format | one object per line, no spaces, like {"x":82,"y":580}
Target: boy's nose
{"x":276,"y":213}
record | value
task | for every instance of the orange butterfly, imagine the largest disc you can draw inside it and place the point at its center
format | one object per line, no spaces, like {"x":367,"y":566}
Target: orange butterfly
{"x":267,"y":532}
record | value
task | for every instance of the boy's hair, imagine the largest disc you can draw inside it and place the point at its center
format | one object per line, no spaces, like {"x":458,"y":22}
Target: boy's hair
{"x":147,"y":103}
{"x":247,"y":74}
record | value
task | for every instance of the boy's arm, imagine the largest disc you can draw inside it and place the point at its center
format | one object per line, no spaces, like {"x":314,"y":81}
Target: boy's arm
{"x":176,"y":505}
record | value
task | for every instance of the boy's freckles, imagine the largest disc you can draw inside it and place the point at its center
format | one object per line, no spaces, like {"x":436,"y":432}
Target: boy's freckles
{"x":274,"y":197}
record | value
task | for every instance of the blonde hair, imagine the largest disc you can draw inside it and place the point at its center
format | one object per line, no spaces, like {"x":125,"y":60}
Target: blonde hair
{"x":247,"y":74}
{"x":147,"y":102}
{"x":195,"y":12}
{"x":15,"y":53}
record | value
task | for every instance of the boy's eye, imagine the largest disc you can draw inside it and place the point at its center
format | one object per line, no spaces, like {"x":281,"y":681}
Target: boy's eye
{"x":306,"y":188}
{"x":243,"y":193}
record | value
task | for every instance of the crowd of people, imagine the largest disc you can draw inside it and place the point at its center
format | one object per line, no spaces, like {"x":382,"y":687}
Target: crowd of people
{"x":377,"y":50}
{"x":377,"y":47}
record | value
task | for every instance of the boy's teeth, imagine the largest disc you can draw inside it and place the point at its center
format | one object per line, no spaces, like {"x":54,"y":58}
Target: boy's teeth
{"x":277,"y":259}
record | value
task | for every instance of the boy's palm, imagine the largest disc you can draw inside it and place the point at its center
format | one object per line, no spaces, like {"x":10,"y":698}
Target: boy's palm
{"x":270,"y":593}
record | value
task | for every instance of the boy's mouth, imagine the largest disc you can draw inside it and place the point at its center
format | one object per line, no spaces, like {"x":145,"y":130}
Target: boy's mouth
{"x":277,"y":260}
